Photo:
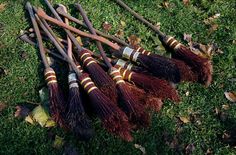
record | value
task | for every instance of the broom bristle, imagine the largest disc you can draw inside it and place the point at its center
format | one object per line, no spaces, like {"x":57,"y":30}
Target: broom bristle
{"x":201,"y":66}
{"x":113,"y":119}
{"x":186,"y":73}
{"x":77,"y":119}
{"x":99,"y":76}
{"x":149,"y":101}
{"x":56,"y":98}
{"x":158,"y":87}
{"x":130,"y":105}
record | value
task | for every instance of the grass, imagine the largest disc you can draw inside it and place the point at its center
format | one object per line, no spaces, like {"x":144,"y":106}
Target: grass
{"x":23,"y":79}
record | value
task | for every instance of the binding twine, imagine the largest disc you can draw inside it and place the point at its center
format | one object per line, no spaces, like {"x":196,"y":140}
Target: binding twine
{"x":50,"y":76}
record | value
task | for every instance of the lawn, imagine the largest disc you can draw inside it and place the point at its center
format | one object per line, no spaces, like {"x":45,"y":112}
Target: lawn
{"x":209,"y":112}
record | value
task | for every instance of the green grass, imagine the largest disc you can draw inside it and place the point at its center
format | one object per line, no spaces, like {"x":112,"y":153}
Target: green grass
{"x":23,"y":79}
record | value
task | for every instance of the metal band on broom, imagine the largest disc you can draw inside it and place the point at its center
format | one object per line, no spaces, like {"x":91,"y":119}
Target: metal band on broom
{"x":201,"y":66}
{"x":113,"y":119}
{"x":129,"y":102}
{"x":100,"y":78}
{"x":160,"y":67}
{"x":57,"y":102}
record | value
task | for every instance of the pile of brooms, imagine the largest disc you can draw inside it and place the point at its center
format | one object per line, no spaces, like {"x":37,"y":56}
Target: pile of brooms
{"x":120,"y":89}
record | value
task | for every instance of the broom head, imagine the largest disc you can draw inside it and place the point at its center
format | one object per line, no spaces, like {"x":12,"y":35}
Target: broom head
{"x":113,"y":119}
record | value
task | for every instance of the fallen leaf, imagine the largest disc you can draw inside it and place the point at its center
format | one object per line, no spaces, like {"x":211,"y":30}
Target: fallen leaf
{"x":189,"y":149}
{"x":123,"y":24}
{"x":187,"y":93}
{"x":209,"y":152}
{"x":78,"y":38}
{"x":22,"y":111}
{"x":2,"y":6}
{"x":141,"y":148}
{"x":184,"y":119}
{"x":186,"y":2}
{"x":209,"y":20}
{"x":23,"y":55}
{"x":188,"y":37}
{"x":106,"y":26}
{"x":206,"y":51}
{"x":58,"y":142}
{"x":50,"y":123}
{"x":41,"y":116}
{"x":29,"y":119}
{"x":165,"y":4}
{"x":213,"y":28}
{"x":2,"y":106}
{"x":158,"y":25}
{"x":231,"y":96}
{"x":134,"y":40}
{"x":120,"y":33}
{"x":225,"y":106}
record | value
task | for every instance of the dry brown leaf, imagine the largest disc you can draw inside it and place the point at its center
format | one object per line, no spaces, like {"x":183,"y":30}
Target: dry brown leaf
{"x":106,"y":26}
{"x":2,"y":6}
{"x":189,"y":149}
{"x":231,"y":96}
{"x":2,"y":106}
{"x":158,"y":25}
{"x":21,"y":111}
{"x":184,"y":119}
{"x":225,"y":107}
{"x":2,"y":72}
{"x":165,"y":4}
{"x":211,"y":19}
{"x":186,"y":2}
{"x":188,"y":37}
{"x":120,"y":33}
{"x":141,"y":148}
{"x":206,"y":51}
{"x":213,"y":28}
{"x":134,"y":40}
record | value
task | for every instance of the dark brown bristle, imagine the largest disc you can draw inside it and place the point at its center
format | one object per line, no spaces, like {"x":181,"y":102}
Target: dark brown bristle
{"x":153,"y":85}
{"x":149,"y":101}
{"x":113,"y":119}
{"x":77,"y":119}
{"x":201,"y":66}
{"x":99,"y":76}
{"x":57,"y":104}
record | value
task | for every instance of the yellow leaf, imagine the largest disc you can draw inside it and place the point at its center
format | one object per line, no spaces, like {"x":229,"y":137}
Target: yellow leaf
{"x":123,"y":24}
{"x":2,"y":6}
{"x":50,"y":123}
{"x":29,"y":119}
{"x":40,"y":115}
{"x":79,"y":40}
{"x":134,"y":40}
{"x":184,"y":119}
{"x":141,"y":148}
{"x":58,"y":142}
{"x":231,"y":96}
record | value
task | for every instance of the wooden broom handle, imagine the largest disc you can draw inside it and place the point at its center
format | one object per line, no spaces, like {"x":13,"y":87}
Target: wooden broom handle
{"x":43,"y":15}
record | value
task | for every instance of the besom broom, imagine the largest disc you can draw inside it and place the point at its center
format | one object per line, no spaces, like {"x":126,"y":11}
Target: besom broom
{"x":113,"y":119}
{"x":100,"y":78}
{"x":129,"y":103}
{"x":56,"y":98}
{"x":161,"y":67}
{"x":201,"y":66}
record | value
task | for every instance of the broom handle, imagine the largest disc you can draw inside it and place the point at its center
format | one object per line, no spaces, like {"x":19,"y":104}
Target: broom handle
{"x":59,"y":48}
{"x":67,"y":31}
{"x":39,"y":37}
{"x":141,"y":18}
{"x":91,"y":29}
{"x":26,"y":39}
{"x":42,"y":14}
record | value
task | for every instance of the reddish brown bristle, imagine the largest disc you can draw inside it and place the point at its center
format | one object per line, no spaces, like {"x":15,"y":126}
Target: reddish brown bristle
{"x":130,"y":105}
{"x":113,"y":119}
{"x":99,"y":76}
{"x":158,"y":87}
{"x":56,"y":98}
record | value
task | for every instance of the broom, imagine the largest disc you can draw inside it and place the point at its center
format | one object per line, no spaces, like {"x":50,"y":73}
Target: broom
{"x":160,"y":67}
{"x":76,"y":116}
{"x":113,"y":119}
{"x":56,"y":98}
{"x":185,"y":71}
{"x":101,"y":79}
{"x":130,"y":104}
{"x":201,"y":66}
